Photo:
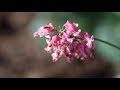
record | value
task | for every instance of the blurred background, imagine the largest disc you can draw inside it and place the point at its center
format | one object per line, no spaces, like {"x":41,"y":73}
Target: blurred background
{"x":23,"y":56}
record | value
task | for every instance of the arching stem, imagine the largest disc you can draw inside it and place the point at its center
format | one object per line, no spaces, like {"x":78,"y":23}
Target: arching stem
{"x":107,"y":43}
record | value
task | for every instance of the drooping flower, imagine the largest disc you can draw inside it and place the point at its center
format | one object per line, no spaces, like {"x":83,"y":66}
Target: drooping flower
{"x":70,"y":27}
{"x":85,"y":52}
{"x":55,"y":56}
{"x":90,"y":40}
{"x":55,"y":39}
{"x":70,"y":42}
{"x":44,"y":31}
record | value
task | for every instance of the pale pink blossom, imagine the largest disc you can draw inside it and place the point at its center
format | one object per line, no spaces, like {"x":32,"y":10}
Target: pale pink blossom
{"x":44,"y":31}
{"x":48,"y":49}
{"x":55,"y":56}
{"x":36,"y":34}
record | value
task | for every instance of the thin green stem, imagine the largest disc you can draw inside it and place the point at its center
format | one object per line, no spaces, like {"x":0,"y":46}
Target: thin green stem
{"x":107,"y":43}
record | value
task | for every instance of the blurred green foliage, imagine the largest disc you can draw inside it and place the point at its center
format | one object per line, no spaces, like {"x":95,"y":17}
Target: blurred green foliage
{"x":103,"y":25}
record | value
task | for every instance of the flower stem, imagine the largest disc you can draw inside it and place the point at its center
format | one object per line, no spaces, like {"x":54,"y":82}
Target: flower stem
{"x":107,"y":43}
{"x":57,"y":31}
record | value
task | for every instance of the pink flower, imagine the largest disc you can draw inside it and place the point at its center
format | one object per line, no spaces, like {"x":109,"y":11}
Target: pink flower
{"x":55,"y":39}
{"x":70,"y":58}
{"x":48,"y":49}
{"x":89,"y":53}
{"x":85,"y":52}
{"x":71,"y":27}
{"x":70,"y":42}
{"x":90,"y":40}
{"x":77,"y":34}
{"x":44,"y":31}
{"x":36,"y":34}
{"x":55,"y":56}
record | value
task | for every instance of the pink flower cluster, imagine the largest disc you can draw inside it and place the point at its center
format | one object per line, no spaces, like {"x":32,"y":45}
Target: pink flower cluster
{"x":69,"y":42}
